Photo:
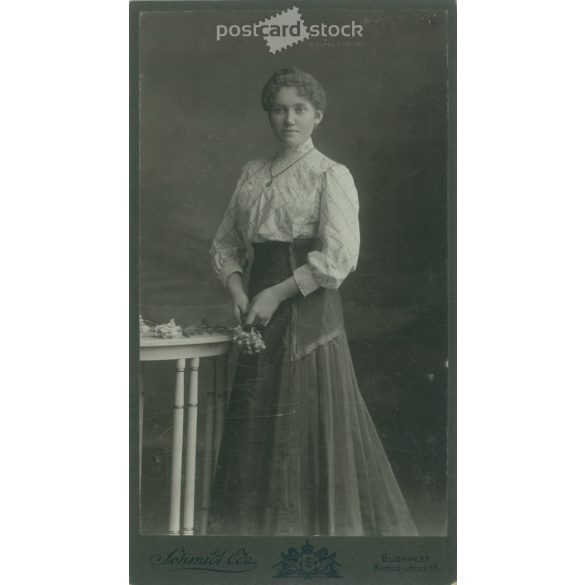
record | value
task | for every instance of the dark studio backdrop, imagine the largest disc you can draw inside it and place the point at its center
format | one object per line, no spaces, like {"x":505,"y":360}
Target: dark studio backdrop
{"x":386,"y":120}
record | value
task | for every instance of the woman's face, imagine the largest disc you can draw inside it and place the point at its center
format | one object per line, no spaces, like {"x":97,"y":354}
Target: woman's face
{"x":292,"y":117}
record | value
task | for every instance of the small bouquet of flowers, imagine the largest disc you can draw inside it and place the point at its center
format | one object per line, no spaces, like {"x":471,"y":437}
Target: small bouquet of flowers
{"x":166,"y":330}
{"x":248,"y":339}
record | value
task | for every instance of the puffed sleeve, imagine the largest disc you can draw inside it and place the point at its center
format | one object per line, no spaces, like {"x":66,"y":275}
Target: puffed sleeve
{"x":339,"y":234}
{"x":228,"y":250}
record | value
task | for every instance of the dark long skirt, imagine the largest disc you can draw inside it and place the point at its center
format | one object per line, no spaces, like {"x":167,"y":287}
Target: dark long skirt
{"x":300,"y":454}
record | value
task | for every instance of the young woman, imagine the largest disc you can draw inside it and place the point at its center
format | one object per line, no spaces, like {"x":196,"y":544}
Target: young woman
{"x":300,"y":454}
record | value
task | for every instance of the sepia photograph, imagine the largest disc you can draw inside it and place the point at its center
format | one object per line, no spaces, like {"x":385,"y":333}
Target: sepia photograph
{"x":349,"y":233}
{"x":293,"y":268}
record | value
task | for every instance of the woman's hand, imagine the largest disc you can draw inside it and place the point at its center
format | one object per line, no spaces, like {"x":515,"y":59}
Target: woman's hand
{"x":240,"y":301}
{"x":240,"y":306}
{"x":262,"y":307}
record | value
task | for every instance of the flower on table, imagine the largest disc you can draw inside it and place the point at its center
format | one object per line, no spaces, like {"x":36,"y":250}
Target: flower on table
{"x":145,"y":329}
{"x":247,"y":338}
{"x":205,"y":328}
{"x":168,"y":330}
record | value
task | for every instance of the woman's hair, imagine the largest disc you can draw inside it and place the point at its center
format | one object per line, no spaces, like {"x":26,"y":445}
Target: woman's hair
{"x":306,"y":85}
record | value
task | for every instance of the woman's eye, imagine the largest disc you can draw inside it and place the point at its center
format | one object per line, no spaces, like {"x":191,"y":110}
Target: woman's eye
{"x":277,"y":110}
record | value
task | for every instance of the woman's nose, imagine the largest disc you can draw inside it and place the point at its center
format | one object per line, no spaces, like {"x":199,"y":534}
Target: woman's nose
{"x":289,"y":119}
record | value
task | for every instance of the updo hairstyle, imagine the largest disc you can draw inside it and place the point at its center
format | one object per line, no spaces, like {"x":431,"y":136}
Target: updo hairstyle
{"x":306,"y":85}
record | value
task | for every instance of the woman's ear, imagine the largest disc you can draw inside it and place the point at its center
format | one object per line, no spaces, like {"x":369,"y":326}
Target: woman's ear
{"x":318,"y":117}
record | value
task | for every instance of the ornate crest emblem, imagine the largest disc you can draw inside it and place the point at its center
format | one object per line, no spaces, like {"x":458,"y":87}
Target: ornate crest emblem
{"x":308,"y":562}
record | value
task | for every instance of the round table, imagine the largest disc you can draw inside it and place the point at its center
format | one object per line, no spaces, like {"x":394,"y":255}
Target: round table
{"x":187,"y":351}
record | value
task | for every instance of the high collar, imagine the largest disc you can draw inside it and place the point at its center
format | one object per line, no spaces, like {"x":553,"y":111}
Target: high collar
{"x":288,"y":154}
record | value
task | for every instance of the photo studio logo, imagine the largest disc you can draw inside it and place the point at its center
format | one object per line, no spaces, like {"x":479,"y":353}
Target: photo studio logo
{"x":286,"y":29}
{"x":307,"y":562}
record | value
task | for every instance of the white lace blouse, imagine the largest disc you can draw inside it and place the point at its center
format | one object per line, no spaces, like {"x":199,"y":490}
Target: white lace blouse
{"x":299,"y":194}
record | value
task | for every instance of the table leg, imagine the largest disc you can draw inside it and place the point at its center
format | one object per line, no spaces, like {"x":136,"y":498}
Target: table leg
{"x":220,"y":385}
{"x":189,"y":505}
{"x":207,"y":463}
{"x":175,"y":515}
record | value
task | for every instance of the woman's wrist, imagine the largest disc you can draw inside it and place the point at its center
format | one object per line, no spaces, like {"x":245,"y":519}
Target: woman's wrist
{"x":235,"y":285}
{"x":285,"y":290}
